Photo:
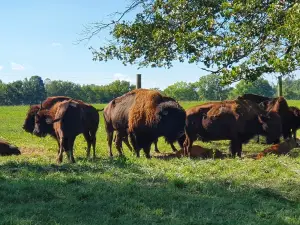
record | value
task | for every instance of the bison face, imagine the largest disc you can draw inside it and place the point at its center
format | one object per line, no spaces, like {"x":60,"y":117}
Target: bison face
{"x":272,"y":128}
{"x":42,"y":127}
{"x":28,"y":125}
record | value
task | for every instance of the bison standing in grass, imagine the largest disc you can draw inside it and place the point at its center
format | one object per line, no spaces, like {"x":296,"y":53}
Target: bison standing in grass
{"x":7,"y":149}
{"x":68,"y":119}
{"x":295,"y":120}
{"x":92,"y":120}
{"x":145,"y":115}
{"x":238,"y":121}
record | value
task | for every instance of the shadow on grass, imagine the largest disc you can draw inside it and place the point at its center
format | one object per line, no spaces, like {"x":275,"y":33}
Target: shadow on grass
{"x":84,"y":194}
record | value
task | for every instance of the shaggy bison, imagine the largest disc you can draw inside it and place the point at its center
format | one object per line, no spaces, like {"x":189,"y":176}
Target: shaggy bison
{"x":145,"y":115}
{"x":68,"y":119}
{"x":7,"y":149}
{"x":278,"y":105}
{"x":294,"y":120}
{"x":92,"y":120}
{"x":238,"y":121}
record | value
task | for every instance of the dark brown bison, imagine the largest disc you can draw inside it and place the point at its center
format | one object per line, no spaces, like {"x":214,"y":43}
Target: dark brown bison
{"x":68,"y":119}
{"x":28,"y":125}
{"x":93,"y":120}
{"x":294,"y":120}
{"x":278,"y":105}
{"x":7,"y":149}
{"x":238,"y":121}
{"x":145,"y":115}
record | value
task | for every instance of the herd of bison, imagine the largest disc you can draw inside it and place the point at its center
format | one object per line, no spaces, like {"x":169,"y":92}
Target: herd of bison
{"x":139,"y":117}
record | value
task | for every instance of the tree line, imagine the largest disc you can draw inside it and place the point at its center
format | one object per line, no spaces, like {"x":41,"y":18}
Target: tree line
{"x":35,"y":89}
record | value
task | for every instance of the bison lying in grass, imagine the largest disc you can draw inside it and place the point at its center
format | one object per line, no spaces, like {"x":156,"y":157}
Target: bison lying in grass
{"x":7,"y":149}
{"x":68,"y":119}
{"x":238,"y":121}
{"x":145,"y":115}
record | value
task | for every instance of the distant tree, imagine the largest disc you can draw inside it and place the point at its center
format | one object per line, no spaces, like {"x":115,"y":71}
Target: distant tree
{"x":209,"y":88}
{"x":260,"y":87}
{"x":66,"y":88}
{"x":181,"y":91}
{"x":3,"y":93}
{"x":14,"y":93}
{"x":33,"y":90}
{"x":291,"y":88}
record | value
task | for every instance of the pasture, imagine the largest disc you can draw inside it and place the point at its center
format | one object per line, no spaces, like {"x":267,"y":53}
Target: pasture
{"x":35,"y":190}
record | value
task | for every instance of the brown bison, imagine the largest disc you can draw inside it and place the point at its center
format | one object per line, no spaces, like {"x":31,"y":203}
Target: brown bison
{"x":238,"y":121}
{"x":7,"y":149}
{"x":278,"y":105}
{"x":279,"y":149}
{"x":145,"y":115}
{"x":68,"y":119}
{"x":294,"y":120}
{"x":93,"y":120}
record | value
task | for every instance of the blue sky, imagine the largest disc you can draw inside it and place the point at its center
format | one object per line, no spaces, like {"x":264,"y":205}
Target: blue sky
{"x":38,"y":38}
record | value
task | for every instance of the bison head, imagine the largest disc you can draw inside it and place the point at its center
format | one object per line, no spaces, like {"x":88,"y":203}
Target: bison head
{"x":171,"y":121}
{"x":43,"y":124}
{"x":271,"y":127}
{"x":28,"y":125}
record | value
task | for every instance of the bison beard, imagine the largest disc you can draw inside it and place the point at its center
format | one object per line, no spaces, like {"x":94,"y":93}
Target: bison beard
{"x":237,"y":121}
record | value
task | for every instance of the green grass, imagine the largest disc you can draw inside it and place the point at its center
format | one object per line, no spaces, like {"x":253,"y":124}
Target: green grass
{"x":35,"y":190}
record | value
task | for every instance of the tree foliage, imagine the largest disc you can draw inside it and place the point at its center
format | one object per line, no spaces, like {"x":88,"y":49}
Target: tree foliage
{"x":182,"y":91}
{"x":239,"y":39}
{"x":259,"y":87}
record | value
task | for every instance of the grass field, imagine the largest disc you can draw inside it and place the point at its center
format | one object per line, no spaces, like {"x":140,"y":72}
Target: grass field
{"x":35,"y":190}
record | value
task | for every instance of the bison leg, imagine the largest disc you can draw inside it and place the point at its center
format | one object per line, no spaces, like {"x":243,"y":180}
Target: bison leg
{"x":119,"y":143}
{"x":70,"y":149}
{"x":257,"y":139}
{"x":187,"y":145}
{"x":87,"y":138}
{"x":126,"y":141}
{"x":61,"y":148}
{"x":155,"y":146}
{"x":134,"y":144}
{"x":294,"y":134}
{"x":173,"y":147}
{"x":236,"y":148}
{"x":147,"y":151}
{"x":109,"y":142}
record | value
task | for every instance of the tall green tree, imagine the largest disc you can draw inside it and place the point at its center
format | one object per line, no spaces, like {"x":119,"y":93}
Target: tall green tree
{"x":3,"y":93}
{"x":240,"y":39}
{"x":33,"y":90}
{"x":259,"y":87}
{"x":63,"y":88}
{"x":209,"y":88}
{"x":181,"y":91}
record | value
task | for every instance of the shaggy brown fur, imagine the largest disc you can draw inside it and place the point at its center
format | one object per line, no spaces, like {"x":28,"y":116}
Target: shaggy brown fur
{"x":7,"y":149}
{"x":295,"y":120}
{"x":236,"y":120}
{"x":279,"y":149}
{"x":143,"y":112}
{"x":255,"y":98}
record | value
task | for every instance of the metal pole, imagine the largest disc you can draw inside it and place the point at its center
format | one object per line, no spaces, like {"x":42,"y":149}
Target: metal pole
{"x":279,"y":86}
{"x":138,"y":81}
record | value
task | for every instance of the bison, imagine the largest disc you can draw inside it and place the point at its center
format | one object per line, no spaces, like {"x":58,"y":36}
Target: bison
{"x":279,"y":149}
{"x":294,"y":120}
{"x":278,"y":105}
{"x":237,"y":120}
{"x":144,"y":115}
{"x":7,"y":149}
{"x":93,"y":121}
{"x":68,"y":119}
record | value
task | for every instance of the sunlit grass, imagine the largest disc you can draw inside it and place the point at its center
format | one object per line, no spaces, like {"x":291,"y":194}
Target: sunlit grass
{"x":35,"y":190}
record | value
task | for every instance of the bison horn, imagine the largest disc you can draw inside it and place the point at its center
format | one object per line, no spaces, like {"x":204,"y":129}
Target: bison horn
{"x":41,"y":106}
{"x":165,"y":113}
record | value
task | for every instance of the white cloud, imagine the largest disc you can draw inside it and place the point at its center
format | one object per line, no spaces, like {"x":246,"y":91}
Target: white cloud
{"x":56,"y":44}
{"x":1,"y":68}
{"x":16,"y":66}
{"x":120,"y":76}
